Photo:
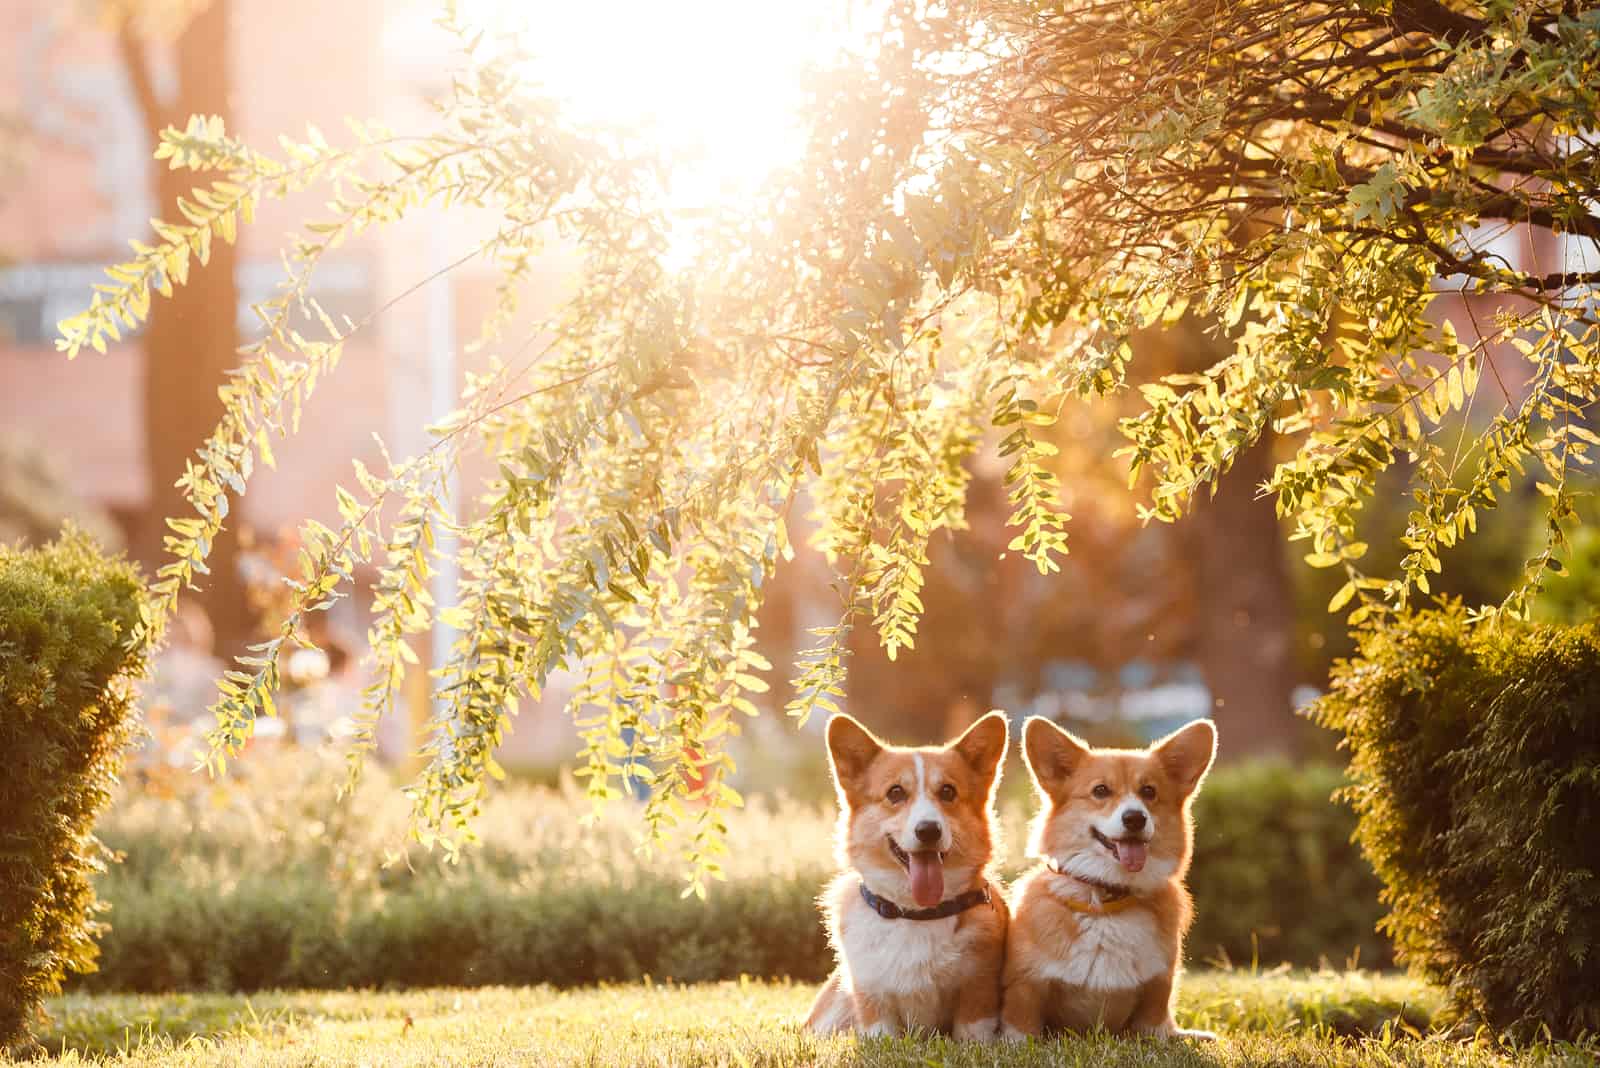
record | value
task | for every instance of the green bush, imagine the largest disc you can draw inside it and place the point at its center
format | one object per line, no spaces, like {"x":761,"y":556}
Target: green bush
{"x":1476,"y":767}
{"x":66,"y":712}
{"x":264,"y":880}
{"x":1276,"y":874}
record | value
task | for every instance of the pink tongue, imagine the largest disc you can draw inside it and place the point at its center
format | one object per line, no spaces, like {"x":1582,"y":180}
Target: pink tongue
{"x":1131,"y":855}
{"x":927,"y":878}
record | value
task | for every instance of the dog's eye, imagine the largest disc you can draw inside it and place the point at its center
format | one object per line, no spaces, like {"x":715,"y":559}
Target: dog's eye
{"x":897,"y":794}
{"x":1147,"y":792}
{"x":947,"y":793}
{"x":1101,"y":791}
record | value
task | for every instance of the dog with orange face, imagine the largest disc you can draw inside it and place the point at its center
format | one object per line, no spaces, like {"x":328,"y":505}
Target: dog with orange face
{"x":1097,"y":940}
{"x":917,"y":920}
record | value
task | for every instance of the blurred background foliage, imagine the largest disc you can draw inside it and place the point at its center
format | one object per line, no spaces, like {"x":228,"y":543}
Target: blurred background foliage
{"x":37,"y":498}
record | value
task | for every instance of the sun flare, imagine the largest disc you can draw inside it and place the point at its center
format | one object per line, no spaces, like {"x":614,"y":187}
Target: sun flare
{"x":715,"y":85}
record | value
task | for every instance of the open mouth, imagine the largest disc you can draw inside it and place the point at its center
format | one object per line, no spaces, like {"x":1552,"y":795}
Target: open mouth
{"x":1131,"y":853}
{"x":926,"y":868}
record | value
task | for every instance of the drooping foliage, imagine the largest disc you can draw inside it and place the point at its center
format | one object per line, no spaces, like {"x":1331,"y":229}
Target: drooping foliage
{"x":997,"y":194}
{"x":67,"y":666}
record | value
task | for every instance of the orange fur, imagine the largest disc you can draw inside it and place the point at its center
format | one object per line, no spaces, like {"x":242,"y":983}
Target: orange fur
{"x":1080,"y":957}
{"x":900,"y":975}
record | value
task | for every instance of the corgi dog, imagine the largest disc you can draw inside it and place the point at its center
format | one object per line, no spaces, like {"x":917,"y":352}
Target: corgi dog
{"x":1097,"y":939}
{"x":917,"y":920}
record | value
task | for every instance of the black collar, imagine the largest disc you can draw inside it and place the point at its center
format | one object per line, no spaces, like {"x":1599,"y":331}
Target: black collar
{"x":890,"y":911}
{"x":1108,"y":892}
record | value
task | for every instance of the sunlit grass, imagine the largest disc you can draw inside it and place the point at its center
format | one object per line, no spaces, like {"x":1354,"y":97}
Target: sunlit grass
{"x":1325,"y":1018}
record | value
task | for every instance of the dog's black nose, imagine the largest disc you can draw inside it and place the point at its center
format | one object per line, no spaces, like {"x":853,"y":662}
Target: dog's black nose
{"x":928,"y":832}
{"x":1133,"y":819}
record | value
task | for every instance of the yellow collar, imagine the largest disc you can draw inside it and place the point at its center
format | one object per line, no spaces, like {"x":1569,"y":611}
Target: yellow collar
{"x":1110,"y":907}
{"x":1107,"y":909}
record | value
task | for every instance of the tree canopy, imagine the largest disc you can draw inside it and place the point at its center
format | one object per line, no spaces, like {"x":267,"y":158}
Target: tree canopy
{"x":997,"y":196}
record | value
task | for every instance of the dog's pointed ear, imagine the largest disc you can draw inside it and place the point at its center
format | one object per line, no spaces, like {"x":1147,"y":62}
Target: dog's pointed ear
{"x":1186,"y":754}
{"x":983,"y":746}
{"x":1052,"y":755}
{"x":851,"y":750}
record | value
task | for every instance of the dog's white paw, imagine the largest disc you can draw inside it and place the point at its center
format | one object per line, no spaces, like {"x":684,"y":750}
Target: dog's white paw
{"x":984,"y":1030}
{"x":1012,"y":1034}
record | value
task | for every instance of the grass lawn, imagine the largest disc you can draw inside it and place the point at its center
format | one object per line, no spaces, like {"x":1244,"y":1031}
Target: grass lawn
{"x":1324,"y":1019}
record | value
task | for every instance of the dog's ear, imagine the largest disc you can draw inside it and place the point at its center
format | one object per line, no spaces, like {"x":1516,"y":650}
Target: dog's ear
{"x":1186,"y":754}
{"x":851,"y":750}
{"x":983,"y":746}
{"x":1052,"y":755}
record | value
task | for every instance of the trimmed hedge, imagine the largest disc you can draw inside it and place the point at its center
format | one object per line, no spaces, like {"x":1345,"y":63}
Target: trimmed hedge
{"x":269,"y":882}
{"x":268,"y":933}
{"x":1476,"y":766}
{"x":1277,"y":875}
{"x":66,"y":713}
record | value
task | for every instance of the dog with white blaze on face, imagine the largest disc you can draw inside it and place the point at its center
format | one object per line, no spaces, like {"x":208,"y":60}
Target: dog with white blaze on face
{"x":917,"y":920}
{"x":1097,"y":940}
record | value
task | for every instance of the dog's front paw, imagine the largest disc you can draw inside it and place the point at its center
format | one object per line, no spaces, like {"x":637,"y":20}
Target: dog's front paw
{"x":984,"y":1030}
{"x":1008,"y":1033}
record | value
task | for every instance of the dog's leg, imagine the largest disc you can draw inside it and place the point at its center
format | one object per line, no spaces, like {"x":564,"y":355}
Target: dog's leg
{"x":831,"y":1012}
{"x":978,"y":1002}
{"x":1153,"y":1014}
{"x":872,"y":1017}
{"x":1022,"y":1014}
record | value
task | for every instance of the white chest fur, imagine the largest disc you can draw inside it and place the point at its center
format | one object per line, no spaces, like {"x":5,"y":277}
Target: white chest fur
{"x":912,"y":969}
{"x":899,"y":956}
{"x":1116,"y":952}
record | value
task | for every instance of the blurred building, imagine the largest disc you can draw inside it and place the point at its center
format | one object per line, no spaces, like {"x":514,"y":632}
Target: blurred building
{"x":81,"y":192}
{"x":78,"y":188}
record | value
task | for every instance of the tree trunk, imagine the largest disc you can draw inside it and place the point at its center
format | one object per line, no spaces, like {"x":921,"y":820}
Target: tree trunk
{"x":191,"y":340}
{"x":1244,"y":611}
{"x":1243,"y":614}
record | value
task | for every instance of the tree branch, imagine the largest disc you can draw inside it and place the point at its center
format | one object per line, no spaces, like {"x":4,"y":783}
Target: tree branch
{"x":1517,"y":210}
{"x":1435,"y":20}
